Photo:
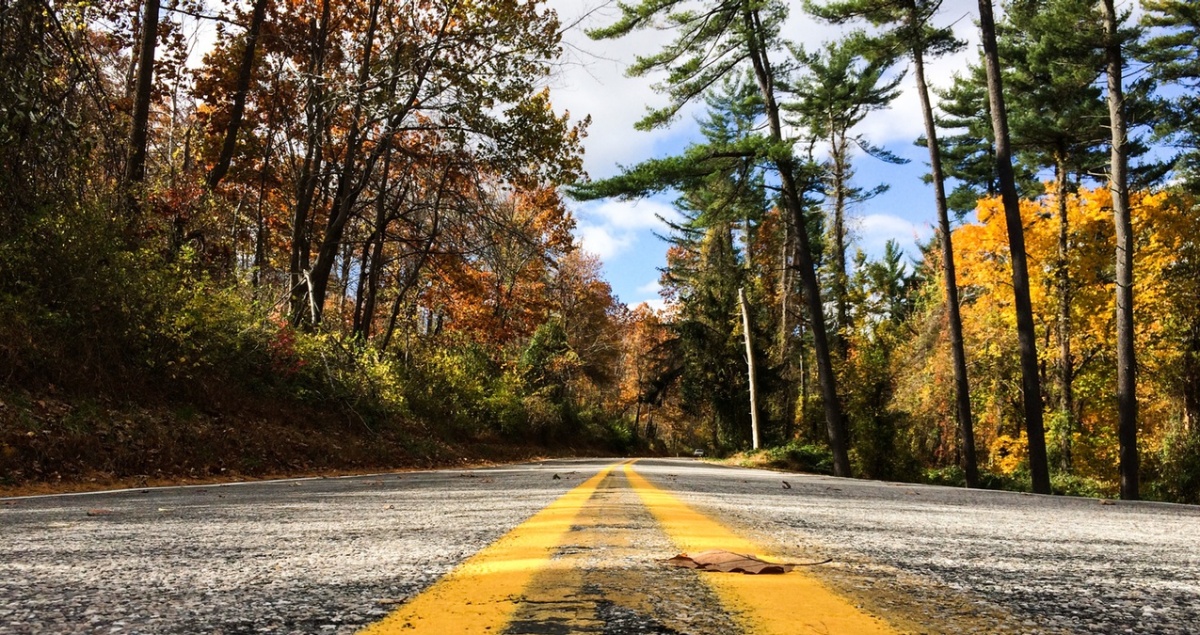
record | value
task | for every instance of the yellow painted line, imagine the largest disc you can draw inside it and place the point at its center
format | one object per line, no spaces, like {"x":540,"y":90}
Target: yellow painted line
{"x":790,"y":604}
{"x":482,"y":594}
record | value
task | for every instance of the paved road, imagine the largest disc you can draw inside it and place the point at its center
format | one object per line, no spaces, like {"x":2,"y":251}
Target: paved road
{"x":338,"y":555}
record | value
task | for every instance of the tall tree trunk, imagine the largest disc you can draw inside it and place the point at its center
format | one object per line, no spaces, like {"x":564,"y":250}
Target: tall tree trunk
{"x":135,"y":167}
{"x":245,"y":73}
{"x":1030,"y":382}
{"x":351,"y":179}
{"x":365,"y":317}
{"x":788,"y":392}
{"x":793,"y":200}
{"x":841,"y":282}
{"x":310,"y":169}
{"x":962,"y":395}
{"x":261,"y":232}
{"x":1118,"y":186}
{"x":1066,"y":367}
{"x":750,"y":366}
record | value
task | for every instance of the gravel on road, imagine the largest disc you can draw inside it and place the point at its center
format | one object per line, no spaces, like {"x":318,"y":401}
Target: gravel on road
{"x":324,"y":556}
{"x":328,"y":556}
{"x":1028,"y":563}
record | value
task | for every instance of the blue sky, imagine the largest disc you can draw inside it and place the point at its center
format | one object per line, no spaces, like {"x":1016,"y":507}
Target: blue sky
{"x":591,"y":81}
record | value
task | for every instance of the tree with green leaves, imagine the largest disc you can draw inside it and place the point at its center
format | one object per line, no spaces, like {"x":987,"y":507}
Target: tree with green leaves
{"x":1031,"y":385}
{"x":1058,"y":119}
{"x":1118,"y":185}
{"x":907,"y":26}
{"x":723,"y":194}
{"x":881,"y":298}
{"x":967,"y":150}
{"x":714,"y":40}
{"x":1173,"y":54}
{"x":841,"y":85}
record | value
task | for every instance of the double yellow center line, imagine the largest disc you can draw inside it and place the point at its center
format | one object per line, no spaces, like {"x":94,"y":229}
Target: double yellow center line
{"x":486,"y":592}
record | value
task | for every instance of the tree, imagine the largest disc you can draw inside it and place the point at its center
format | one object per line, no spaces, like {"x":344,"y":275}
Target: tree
{"x":713,"y":42}
{"x":969,"y":152}
{"x":841,"y":86}
{"x":1030,"y":381}
{"x":880,"y":295}
{"x":238,"y":107}
{"x":908,"y":27}
{"x":135,"y":168}
{"x":1118,"y":184}
{"x":1174,"y":57}
{"x":1165,"y":285}
{"x":469,"y":71}
{"x":1049,"y":51}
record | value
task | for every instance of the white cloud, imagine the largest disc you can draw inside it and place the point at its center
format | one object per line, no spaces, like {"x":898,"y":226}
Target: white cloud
{"x":652,"y":287}
{"x":591,"y":81}
{"x":602,"y":241}
{"x":612,"y":227}
{"x":642,"y":214}
{"x":874,"y":230}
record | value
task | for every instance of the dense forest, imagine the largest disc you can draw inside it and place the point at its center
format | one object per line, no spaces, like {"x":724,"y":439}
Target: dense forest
{"x":338,"y":235}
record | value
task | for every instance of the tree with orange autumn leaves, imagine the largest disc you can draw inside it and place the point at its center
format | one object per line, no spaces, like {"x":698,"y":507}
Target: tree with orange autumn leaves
{"x":369,"y":186}
{"x":353,"y":205}
{"x":1085,"y":444}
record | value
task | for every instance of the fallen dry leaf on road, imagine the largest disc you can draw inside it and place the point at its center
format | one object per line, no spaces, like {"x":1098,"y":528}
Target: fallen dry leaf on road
{"x":99,"y":512}
{"x":728,"y":562}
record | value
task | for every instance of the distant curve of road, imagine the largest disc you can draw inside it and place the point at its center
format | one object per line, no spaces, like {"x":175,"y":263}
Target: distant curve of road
{"x":579,"y":546}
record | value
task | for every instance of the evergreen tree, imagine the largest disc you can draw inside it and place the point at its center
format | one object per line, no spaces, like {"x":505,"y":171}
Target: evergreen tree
{"x":1173,"y":53}
{"x":907,"y":26}
{"x":1118,"y":185}
{"x":715,"y":39}
{"x":1030,"y":381}
{"x":840,"y":86}
{"x":1058,"y":119}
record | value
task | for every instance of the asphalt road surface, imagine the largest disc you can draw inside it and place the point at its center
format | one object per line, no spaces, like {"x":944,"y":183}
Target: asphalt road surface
{"x":516,"y":550}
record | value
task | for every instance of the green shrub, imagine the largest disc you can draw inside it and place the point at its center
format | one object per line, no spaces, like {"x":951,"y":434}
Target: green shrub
{"x":950,"y":475}
{"x":1075,"y":485}
{"x":801,"y":458}
{"x":1175,"y":471}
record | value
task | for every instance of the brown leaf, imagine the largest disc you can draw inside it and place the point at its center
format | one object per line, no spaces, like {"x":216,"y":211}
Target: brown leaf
{"x":728,"y":562}
{"x":99,"y":512}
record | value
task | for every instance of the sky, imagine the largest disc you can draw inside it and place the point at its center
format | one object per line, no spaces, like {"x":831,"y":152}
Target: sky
{"x":592,"y":81}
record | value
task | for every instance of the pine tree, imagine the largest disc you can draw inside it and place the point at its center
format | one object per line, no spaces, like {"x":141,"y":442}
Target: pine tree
{"x":715,"y":39}
{"x":841,"y":85}
{"x":1030,"y":381}
{"x":1058,"y":119}
{"x":1173,"y":53}
{"x":907,"y":26}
